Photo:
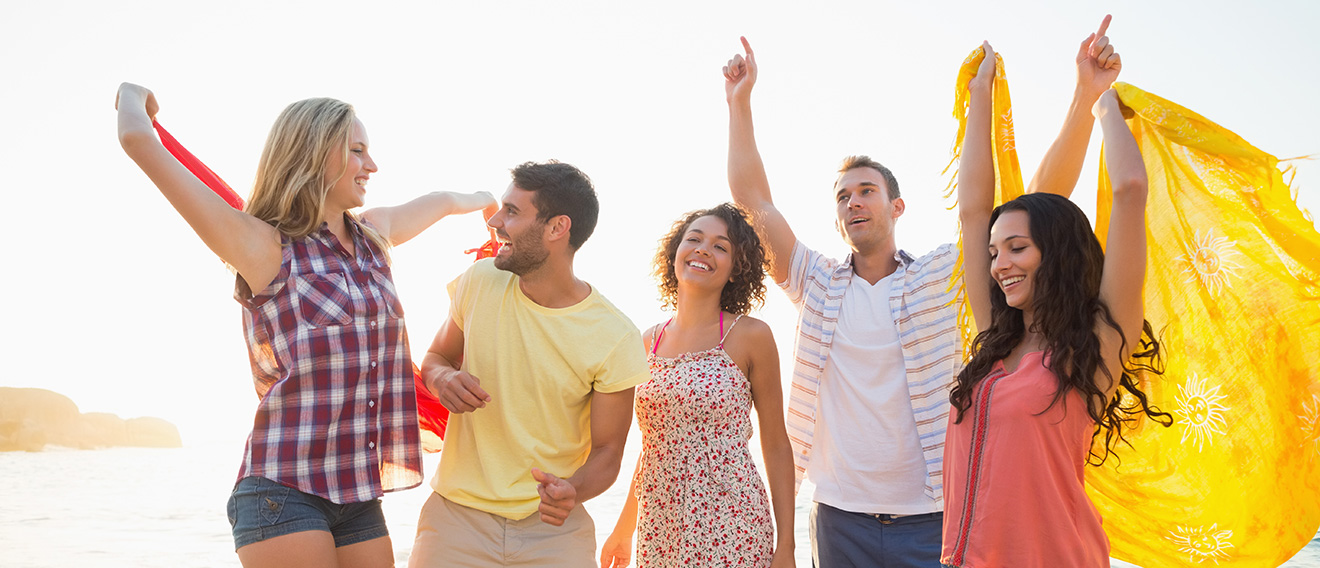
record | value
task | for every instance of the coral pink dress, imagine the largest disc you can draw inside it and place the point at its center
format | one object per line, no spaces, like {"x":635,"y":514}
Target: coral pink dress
{"x":1013,"y":491}
{"x":701,"y":500}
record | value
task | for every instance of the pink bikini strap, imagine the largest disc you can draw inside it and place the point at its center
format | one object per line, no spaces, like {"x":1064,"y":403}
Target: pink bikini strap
{"x":655,"y":344}
{"x":725,"y":334}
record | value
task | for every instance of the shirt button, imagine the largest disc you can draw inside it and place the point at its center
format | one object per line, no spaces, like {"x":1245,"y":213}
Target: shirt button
{"x":373,"y":324}
{"x":371,"y":403}
{"x":371,"y":445}
{"x":373,"y":364}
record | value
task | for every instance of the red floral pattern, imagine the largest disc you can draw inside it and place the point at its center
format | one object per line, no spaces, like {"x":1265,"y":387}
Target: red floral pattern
{"x":701,"y":500}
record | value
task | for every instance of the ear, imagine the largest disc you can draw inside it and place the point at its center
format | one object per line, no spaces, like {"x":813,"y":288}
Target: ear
{"x":899,"y":207}
{"x":558,"y":228}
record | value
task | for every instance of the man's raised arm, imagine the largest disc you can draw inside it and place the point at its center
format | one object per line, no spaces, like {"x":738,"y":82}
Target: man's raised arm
{"x":1097,"y":68}
{"x":747,"y":180}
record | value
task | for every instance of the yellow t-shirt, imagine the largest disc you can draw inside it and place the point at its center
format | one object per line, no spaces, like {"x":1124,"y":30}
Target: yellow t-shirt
{"x":540,"y":366}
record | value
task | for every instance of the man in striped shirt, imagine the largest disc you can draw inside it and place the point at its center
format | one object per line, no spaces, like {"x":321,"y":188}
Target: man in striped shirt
{"x":877,"y":344}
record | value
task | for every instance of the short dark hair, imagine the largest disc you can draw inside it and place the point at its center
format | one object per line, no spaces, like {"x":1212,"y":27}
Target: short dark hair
{"x":561,"y":189}
{"x":862,"y":161}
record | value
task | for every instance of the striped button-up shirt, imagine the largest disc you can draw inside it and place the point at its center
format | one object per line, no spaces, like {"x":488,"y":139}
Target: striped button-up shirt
{"x":330,"y":362}
{"x":922,"y":301}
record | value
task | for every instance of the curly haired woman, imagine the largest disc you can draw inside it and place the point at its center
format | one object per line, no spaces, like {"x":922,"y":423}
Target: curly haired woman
{"x":700,"y":498}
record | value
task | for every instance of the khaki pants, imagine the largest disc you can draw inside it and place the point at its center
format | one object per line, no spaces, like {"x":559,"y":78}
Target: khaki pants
{"x":449,"y":534}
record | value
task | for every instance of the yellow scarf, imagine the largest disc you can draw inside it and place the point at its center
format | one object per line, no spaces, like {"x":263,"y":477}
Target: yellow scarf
{"x":1233,"y":291}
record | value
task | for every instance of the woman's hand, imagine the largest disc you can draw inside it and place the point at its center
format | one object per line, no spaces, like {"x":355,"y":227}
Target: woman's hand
{"x":985,"y":73}
{"x":129,"y":91}
{"x":617,"y":551}
{"x":783,"y":559}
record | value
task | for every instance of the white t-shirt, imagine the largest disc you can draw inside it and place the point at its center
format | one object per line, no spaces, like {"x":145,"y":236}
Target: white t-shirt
{"x":867,"y":457}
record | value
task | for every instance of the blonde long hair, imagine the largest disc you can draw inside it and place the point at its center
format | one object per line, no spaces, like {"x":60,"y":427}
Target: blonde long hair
{"x":291,"y":185}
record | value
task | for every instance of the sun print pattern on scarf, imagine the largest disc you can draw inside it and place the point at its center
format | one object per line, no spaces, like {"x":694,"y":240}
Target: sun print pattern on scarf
{"x":1200,"y":412}
{"x":1212,"y":261}
{"x":1202,"y":543}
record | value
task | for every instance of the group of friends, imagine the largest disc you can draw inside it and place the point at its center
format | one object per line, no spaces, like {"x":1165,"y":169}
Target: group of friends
{"x":921,"y":454}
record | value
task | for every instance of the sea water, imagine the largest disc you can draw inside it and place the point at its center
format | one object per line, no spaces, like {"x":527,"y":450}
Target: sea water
{"x":139,"y":507}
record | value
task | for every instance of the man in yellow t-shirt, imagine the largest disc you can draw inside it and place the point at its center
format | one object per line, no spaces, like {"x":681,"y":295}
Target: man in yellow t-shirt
{"x":537,"y":369}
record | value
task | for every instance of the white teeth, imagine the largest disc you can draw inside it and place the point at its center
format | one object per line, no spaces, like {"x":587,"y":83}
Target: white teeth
{"x":698,"y":265}
{"x":1013,"y":280}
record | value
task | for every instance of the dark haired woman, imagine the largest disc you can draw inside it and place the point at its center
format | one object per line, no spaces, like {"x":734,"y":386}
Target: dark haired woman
{"x":1055,"y":363}
{"x":700,"y":498}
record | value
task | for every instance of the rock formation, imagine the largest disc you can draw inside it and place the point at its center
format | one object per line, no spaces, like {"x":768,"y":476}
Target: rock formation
{"x":32,"y":418}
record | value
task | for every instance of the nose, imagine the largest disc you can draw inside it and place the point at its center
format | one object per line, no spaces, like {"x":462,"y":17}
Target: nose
{"x":370,"y":165}
{"x":497,"y":220}
{"x":853,"y":202}
{"x":999,"y":264}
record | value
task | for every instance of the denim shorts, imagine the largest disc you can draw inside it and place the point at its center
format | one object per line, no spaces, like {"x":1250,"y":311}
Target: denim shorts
{"x":261,"y":509}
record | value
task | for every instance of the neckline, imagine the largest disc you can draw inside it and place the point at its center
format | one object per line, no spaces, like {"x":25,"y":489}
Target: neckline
{"x":999,"y":365}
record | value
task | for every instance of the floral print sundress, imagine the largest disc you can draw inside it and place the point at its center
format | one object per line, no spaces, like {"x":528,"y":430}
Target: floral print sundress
{"x":701,"y":500}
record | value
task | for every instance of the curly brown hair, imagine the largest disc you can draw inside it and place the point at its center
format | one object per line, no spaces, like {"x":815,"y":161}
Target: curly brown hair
{"x":746,"y":287}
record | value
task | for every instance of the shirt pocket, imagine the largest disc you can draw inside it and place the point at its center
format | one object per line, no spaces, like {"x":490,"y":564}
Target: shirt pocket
{"x":324,"y":299}
{"x":388,"y":295}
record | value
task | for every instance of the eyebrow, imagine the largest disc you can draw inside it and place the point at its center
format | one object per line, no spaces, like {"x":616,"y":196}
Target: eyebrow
{"x":703,"y":233}
{"x":861,"y":184}
{"x":1011,"y":237}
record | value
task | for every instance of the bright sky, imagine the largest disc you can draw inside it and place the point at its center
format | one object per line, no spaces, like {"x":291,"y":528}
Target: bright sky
{"x":122,"y":308}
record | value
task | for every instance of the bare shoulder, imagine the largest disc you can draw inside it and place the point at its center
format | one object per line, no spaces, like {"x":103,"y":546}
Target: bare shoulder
{"x":749,"y":340}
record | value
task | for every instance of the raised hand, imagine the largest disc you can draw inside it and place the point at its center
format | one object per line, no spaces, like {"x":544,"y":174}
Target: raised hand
{"x":558,"y":497}
{"x":138,"y":92}
{"x":740,"y":75}
{"x":985,"y":73}
{"x":1098,"y":64}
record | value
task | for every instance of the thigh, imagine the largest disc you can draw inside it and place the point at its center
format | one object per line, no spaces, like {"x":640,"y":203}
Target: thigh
{"x":532,"y":542}
{"x":374,"y":553}
{"x":449,"y":534}
{"x":312,"y":549}
{"x":842,"y":539}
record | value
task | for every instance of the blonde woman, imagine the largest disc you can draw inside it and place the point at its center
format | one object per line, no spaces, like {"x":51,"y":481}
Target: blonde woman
{"x":336,"y":425}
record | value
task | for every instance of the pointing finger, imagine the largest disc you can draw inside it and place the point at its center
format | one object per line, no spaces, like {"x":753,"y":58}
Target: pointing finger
{"x":1104,"y":25}
{"x":746,"y":46}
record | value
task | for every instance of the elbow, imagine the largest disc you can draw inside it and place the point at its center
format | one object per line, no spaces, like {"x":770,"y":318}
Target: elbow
{"x":132,"y":140}
{"x":1130,"y":187}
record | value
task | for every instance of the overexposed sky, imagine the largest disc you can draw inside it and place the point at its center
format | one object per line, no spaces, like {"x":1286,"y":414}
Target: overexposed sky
{"x":113,"y":300}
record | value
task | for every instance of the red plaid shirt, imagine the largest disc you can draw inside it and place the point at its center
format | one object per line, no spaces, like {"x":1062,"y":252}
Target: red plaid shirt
{"x":329,"y":352}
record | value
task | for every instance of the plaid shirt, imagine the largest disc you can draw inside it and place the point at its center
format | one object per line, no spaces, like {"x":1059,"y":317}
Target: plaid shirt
{"x":329,"y":352}
{"x":922,"y":302}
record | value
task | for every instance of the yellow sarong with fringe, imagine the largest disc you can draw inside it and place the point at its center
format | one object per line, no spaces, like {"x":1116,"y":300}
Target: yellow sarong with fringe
{"x":1233,"y":290}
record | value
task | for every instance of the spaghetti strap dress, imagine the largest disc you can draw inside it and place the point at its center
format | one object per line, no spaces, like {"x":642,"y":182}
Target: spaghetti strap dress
{"x":701,"y":501}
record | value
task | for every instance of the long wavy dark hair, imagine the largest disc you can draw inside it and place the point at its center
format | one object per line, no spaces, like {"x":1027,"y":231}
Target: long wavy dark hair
{"x":746,"y":289}
{"x":1066,"y":305}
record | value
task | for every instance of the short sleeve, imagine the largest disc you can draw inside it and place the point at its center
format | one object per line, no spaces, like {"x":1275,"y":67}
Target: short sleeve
{"x":460,"y":300}
{"x":625,"y":366}
{"x":800,"y":267}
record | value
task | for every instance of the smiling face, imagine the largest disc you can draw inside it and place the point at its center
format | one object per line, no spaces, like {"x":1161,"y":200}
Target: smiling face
{"x":1014,"y":258}
{"x":705,"y":255}
{"x":865,"y":213}
{"x":348,"y":178}
{"x":520,"y":233}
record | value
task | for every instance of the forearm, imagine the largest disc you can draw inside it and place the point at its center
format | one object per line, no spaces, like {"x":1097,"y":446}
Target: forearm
{"x":1062,"y":165}
{"x":403,"y":222}
{"x":747,"y":179}
{"x":976,"y":173}
{"x":779,"y":469}
{"x":627,"y":524}
{"x":1123,"y":161}
{"x":598,"y":473}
